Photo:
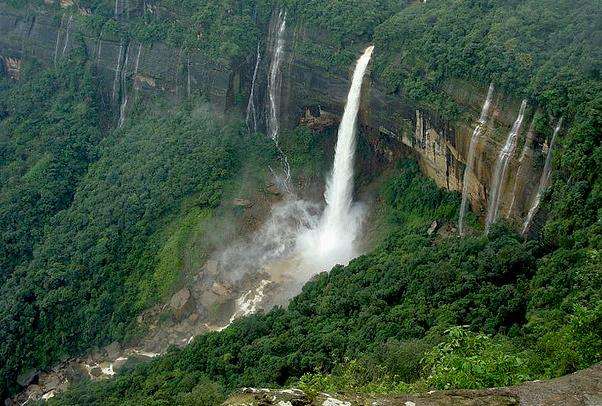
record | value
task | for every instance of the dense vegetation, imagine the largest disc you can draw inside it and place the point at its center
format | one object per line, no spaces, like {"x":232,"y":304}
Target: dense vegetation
{"x":48,"y":133}
{"x":387,"y":310}
{"x":90,"y":220}
{"x":545,"y":50}
{"x":85,"y":239}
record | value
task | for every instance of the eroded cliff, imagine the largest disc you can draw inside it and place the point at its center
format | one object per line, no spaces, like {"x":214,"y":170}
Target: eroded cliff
{"x":312,"y":94}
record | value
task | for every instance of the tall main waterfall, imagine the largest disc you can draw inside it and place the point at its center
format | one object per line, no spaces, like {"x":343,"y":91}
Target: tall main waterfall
{"x":471,"y":156}
{"x":333,"y":241}
{"x":543,"y":181}
{"x":501,"y":168}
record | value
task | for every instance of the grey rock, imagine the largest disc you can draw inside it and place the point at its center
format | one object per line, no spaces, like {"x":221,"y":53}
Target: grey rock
{"x":27,"y":377}
{"x":211,"y":267}
{"x":433,"y":228}
{"x":181,"y":303}
{"x":113,"y":350}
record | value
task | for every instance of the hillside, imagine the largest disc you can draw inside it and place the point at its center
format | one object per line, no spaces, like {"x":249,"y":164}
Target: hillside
{"x":141,"y":142}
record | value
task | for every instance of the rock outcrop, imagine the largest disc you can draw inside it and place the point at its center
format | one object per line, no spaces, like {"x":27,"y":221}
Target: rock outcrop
{"x":583,"y":388}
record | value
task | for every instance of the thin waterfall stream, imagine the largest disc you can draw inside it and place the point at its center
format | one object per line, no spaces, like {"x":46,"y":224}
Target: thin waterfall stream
{"x":251,"y":110}
{"x":501,"y":168}
{"x":274,"y":98}
{"x":474,"y":140}
{"x":543,"y":181}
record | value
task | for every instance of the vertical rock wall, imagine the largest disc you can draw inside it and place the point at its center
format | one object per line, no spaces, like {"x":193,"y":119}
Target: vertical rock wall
{"x":312,"y":94}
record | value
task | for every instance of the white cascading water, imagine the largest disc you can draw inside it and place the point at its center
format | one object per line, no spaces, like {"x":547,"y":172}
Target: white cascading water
{"x":58,"y":39}
{"x":333,"y":241}
{"x":117,"y":70}
{"x":474,"y":140}
{"x":251,"y":111}
{"x":543,"y":181}
{"x":501,"y":167}
{"x":69,"y":24}
{"x":521,"y":160}
{"x":275,"y":78}
{"x":136,"y":67}
{"x":274,"y":96}
{"x":116,"y":12}
{"x":188,"y":78}
{"x":124,"y":95}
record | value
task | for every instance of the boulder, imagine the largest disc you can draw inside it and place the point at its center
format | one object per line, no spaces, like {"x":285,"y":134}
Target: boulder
{"x":181,"y":303}
{"x":113,"y":350}
{"x":221,"y":289}
{"x":242,"y":203}
{"x":274,"y":190}
{"x":119,"y":363}
{"x":211,"y":267}
{"x":433,"y":228}
{"x":27,"y":377}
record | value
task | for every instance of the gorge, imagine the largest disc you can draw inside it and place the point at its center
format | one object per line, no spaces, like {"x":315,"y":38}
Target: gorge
{"x":341,"y":197}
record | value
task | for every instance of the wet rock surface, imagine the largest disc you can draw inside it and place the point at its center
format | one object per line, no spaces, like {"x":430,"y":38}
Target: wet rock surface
{"x":583,"y":388}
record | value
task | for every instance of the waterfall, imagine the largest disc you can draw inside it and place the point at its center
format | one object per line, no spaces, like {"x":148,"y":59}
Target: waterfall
{"x":188,"y":79}
{"x":474,"y":140}
{"x":333,"y":241}
{"x":275,"y":78}
{"x":543,"y":181}
{"x":58,"y":39}
{"x":124,"y":96}
{"x":501,"y":167}
{"x":117,"y":70}
{"x":251,"y":104}
{"x":99,"y":46}
{"x":136,"y":65}
{"x":69,"y":24}
{"x":274,"y":93}
{"x":138,"y":59}
{"x":116,"y":14}
{"x":523,"y":155}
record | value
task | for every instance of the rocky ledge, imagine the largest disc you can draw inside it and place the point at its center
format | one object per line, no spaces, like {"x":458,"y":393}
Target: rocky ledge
{"x":581,"y":388}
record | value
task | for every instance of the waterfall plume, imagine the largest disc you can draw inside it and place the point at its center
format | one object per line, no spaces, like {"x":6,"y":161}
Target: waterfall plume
{"x":69,"y":25}
{"x":124,"y":94}
{"x":528,"y":145}
{"x":543,"y":181}
{"x":501,"y":168}
{"x":333,"y":241}
{"x":58,"y":39}
{"x":474,"y":140}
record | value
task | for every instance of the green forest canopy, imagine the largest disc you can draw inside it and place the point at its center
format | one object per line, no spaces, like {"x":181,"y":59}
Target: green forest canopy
{"x":69,"y":247}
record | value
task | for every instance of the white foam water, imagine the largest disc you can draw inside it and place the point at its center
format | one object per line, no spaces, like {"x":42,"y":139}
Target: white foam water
{"x":474,"y":140}
{"x":543,"y":181}
{"x":501,"y":168}
{"x":333,"y":242}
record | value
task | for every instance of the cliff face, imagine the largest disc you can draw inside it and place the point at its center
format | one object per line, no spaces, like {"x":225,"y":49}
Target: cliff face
{"x":126,"y":69}
{"x":395,"y":126}
{"x":311,"y":94}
